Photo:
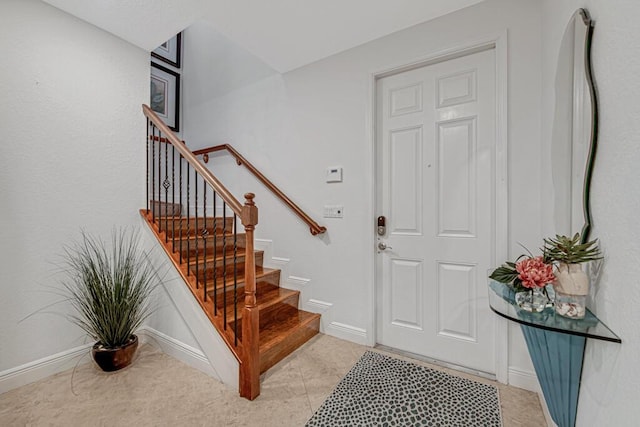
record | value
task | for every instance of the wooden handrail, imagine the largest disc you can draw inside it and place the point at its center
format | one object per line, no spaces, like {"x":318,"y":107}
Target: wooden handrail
{"x":225,"y":194}
{"x":314,"y":227}
{"x":249,"y":357}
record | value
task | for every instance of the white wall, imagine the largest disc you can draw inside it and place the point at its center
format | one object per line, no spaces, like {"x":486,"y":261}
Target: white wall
{"x":72,"y":137}
{"x":293,"y":126}
{"x":611,"y":376}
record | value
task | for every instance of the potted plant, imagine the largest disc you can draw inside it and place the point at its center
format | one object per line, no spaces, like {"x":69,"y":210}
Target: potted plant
{"x":572,"y":283}
{"x":109,"y":288}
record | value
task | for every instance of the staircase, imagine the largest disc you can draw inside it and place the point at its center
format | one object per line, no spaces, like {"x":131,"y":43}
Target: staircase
{"x":282,"y":326}
{"x":196,"y":221}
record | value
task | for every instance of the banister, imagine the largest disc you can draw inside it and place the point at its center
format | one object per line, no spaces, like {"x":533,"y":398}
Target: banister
{"x":226,"y":195}
{"x":314,"y":227}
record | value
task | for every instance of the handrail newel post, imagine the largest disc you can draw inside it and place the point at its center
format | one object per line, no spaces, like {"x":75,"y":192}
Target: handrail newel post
{"x":250,"y":367}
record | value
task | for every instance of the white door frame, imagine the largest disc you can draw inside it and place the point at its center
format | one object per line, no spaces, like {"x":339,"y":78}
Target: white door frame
{"x":499,"y":43}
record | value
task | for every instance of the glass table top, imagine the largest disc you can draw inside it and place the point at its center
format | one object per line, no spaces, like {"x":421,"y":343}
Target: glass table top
{"x":502,"y":302}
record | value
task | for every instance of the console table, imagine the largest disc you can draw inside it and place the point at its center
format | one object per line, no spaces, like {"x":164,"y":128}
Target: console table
{"x":556,"y":345}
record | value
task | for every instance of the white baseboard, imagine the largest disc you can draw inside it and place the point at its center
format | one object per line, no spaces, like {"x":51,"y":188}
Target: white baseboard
{"x":177,"y":349}
{"x":347,"y":332}
{"x":45,"y":367}
{"x":59,"y":362}
{"x":524,"y":379}
{"x":529,"y":381}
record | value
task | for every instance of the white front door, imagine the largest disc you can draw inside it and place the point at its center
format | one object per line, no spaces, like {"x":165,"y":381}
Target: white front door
{"x":435,"y":186}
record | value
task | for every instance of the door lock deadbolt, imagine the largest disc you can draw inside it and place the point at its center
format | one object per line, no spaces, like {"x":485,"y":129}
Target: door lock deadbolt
{"x":382,"y":229}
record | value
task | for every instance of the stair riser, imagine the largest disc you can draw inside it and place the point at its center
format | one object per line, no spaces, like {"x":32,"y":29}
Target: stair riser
{"x":272,"y":277}
{"x":181,"y":227}
{"x":213,"y":246}
{"x":275,"y":312}
{"x":267,"y":314}
{"x":220,"y":268}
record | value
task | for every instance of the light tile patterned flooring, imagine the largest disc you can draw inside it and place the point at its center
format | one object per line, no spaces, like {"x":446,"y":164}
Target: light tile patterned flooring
{"x":158,"y":390}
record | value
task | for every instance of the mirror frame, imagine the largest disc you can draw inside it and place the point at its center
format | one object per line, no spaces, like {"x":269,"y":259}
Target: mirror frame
{"x":586,"y":205}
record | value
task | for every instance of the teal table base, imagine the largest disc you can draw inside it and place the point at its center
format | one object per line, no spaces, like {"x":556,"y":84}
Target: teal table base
{"x":557,"y":359}
{"x":556,"y":345}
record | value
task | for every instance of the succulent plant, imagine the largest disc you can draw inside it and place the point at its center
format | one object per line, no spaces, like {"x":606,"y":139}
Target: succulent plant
{"x":569,"y":250}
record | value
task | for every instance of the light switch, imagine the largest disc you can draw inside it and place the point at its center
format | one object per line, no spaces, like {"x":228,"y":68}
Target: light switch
{"x":334,"y":174}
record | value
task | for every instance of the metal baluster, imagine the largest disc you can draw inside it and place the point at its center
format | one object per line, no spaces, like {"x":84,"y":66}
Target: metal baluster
{"x":181,"y":189}
{"x":153,"y":171}
{"x":173,"y":198}
{"x":188,"y":219}
{"x":224,"y":260}
{"x":205,"y":232}
{"x":197,"y":230}
{"x":159,"y":184}
{"x":166,"y":185}
{"x":235,"y":279}
{"x":147,"y":188}
{"x":215,"y":253}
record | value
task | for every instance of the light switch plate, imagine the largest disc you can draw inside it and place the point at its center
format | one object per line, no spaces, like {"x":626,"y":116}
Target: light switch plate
{"x":333,"y":211}
{"x":334,"y":174}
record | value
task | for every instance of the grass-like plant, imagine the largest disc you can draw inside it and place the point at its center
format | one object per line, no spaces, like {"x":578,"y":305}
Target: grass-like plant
{"x":569,"y":250}
{"x":109,"y":287}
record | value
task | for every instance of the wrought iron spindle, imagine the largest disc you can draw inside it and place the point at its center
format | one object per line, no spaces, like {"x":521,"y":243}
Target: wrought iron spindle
{"x":204,"y":233}
{"x":197,"y":230}
{"x":188,"y":230}
{"x":235,"y":279}
{"x":173,"y":198}
{"x":215,"y":251}
{"x":153,"y":171}
{"x":166,"y":184}
{"x":147,"y":186}
{"x":180,"y":193}
{"x":158,"y":200}
{"x":224,"y":260}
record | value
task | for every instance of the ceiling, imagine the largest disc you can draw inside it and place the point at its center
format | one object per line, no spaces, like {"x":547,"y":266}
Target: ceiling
{"x":285,"y":34}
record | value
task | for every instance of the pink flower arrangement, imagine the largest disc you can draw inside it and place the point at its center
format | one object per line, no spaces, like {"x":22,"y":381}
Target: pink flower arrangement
{"x":534,"y":273}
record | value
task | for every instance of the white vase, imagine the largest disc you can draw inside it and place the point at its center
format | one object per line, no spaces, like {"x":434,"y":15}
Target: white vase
{"x":571,"y":287}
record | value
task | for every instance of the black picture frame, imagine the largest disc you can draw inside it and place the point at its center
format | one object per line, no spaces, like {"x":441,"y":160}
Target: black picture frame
{"x":170,"y":51}
{"x":165,"y":95}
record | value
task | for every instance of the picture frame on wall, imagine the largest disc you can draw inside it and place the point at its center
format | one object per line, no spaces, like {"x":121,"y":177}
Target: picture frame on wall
{"x":169,"y":51}
{"x":165,"y":95}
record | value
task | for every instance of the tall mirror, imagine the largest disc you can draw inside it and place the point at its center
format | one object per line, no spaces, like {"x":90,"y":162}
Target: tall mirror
{"x":575,"y":127}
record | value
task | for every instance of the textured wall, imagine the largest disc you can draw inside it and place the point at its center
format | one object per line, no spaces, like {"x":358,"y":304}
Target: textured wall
{"x":611,"y":376}
{"x":72,"y":138}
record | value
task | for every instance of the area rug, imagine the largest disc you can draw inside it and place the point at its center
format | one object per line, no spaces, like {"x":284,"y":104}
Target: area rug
{"x":384,"y":391}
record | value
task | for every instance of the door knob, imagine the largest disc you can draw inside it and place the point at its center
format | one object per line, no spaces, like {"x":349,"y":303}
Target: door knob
{"x":382,"y":246}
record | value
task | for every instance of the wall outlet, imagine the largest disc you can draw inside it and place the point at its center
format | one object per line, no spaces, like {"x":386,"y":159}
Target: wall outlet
{"x":333,"y":211}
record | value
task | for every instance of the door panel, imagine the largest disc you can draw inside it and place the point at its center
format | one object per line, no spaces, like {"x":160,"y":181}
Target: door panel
{"x":405,"y":161}
{"x":435,"y":135}
{"x":456,"y":178}
{"x":406,"y":296}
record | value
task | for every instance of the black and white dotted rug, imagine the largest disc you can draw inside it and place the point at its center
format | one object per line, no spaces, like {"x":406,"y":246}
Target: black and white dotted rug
{"x":383,"y":391}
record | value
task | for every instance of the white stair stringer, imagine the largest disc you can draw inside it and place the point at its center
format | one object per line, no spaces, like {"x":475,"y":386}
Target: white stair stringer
{"x":224,"y":365}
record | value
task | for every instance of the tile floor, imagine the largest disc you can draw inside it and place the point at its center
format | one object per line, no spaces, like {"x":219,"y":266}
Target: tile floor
{"x":158,"y":390}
